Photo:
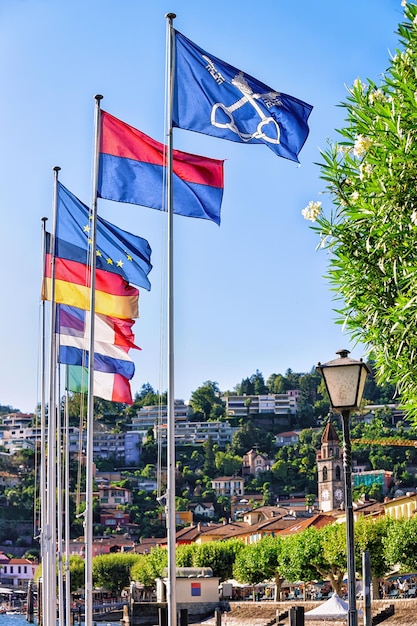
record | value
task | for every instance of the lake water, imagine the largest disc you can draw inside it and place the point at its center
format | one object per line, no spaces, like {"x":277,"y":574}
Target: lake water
{"x":20,"y":620}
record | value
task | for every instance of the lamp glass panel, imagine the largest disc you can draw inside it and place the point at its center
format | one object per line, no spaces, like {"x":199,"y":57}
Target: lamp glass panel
{"x":342,"y":384}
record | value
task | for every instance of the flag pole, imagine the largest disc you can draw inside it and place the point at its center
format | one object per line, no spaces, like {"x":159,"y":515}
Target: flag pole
{"x":50,"y":608}
{"x":67,"y":574}
{"x":88,"y":520}
{"x":170,"y":504}
{"x":42,"y":471}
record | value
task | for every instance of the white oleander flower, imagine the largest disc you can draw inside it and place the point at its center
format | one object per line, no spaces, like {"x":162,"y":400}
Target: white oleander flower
{"x":311,"y":211}
{"x":365,"y":169}
{"x":358,"y":83}
{"x":376,"y":96}
{"x":344,"y":149}
{"x":414,"y":217}
{"x":362,"y":145}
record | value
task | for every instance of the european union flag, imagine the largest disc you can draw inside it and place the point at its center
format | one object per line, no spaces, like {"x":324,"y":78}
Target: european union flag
{"x":214,"y":98}
{"x":118,"y":251}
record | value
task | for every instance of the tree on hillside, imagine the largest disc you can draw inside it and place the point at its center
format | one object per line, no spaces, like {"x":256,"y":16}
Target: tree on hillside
{"x":378,"y":393}
{"x":5,"y":409}
{"x":371,"y":232}
{"x":276,"y":383}
{"x":206,"y":403}
{"x":209,"y":465}
{"x":244,"y":439}
{"x":227,"y":464}
{"x":252,"y":386}
{"x":147,"y":396}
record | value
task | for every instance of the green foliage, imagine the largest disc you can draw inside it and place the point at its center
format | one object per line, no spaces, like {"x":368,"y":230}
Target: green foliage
{"x":77,"y":572}
{"x":255,"y":385}
{"x":248,"y":565}
{"x":149,"y":567}
{"x":308,"y":555}
{"x":401,"y":544}
{"x":209,"y":465}
{"x":219,"y":555}
{"x":313,"y":554}
{"x":295,"y":466}
{"x":260,"y":561}
{"x":6,"y":409}
{"x":371,"y":232}
{"x":298,"y":552}
{"x":369,"y":537}
{"x":227,"y":464}
{"x":206,"y":403}
{"x":147,"y":396}
{"x":144,"y":511}
{"x":245,"y":438}
{"x":113,"y":570}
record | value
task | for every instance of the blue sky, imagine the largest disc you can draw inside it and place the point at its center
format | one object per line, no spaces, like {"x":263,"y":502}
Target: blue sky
{"x":248,"y":295}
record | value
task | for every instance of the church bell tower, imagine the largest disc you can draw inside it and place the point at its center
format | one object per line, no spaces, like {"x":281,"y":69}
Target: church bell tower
{"x":331,"y":488}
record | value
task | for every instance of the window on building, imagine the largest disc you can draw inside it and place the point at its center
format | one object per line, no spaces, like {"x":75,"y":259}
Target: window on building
{"x":325,"y":473}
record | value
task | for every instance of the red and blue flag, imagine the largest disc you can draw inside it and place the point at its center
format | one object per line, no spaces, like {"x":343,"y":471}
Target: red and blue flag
{"x":132,"y":169}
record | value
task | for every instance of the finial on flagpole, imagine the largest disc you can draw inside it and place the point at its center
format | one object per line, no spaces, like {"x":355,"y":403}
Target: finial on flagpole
{"x":56,"y":168}
{"x":98,"y":97}
{"x":170,"y":16}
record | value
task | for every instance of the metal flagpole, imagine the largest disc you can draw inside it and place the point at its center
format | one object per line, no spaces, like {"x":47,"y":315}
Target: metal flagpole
{"x":88,"y":520}
{"x":170,"y":505}
{"x":59,"y":507}
{"x":67,"y":513}
{"x":42,"y":469}
{"x":50,"y":612}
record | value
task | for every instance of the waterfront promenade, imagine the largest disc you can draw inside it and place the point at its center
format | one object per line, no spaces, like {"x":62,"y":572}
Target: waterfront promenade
{"x":251,"y":613}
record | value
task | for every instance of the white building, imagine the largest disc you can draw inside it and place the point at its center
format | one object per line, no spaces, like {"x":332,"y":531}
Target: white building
{"x":274,"y":404}
{"x":17,"y":572}
{"x":228,"y":486}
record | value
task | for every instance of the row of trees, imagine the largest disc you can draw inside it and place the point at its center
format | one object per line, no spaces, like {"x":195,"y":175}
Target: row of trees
{"x":309,"y":555}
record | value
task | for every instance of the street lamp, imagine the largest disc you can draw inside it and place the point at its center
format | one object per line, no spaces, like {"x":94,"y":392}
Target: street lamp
{"x":345,"y":381}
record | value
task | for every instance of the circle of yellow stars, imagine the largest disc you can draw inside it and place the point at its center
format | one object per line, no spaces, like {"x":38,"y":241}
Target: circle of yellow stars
{"x":109,"y":260}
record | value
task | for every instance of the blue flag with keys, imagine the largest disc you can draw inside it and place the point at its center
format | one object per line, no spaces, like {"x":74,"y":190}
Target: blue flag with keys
{"x":214,"y":98}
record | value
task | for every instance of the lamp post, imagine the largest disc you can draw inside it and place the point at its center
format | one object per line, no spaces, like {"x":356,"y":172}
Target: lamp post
{"x":345,"y":381}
